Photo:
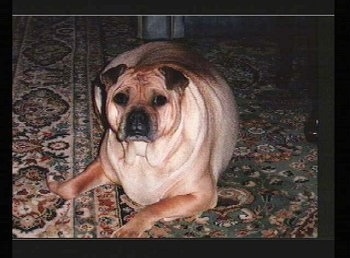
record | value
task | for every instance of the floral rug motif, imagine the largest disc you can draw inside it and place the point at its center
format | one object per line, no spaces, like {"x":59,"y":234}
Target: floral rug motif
{"x":269,"y":189}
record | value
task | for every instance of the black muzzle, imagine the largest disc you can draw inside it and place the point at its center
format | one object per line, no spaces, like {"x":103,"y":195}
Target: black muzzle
{"x":138,"y":125}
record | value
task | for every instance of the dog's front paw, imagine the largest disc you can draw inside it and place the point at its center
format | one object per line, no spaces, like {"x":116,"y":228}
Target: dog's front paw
{"x":60,"y":188}
{"x":132,"y":229}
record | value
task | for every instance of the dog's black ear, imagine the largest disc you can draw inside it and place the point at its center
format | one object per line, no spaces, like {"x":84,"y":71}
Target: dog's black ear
{"x":111,"y":76}
{"x":174,"y":79}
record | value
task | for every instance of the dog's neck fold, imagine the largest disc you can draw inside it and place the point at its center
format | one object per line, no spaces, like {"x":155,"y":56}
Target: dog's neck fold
{"x":133,"y":149}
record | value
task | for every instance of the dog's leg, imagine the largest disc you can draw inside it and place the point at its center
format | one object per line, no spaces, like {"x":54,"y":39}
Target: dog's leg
{"x":92,"y":177}
{"x":173,"y":207}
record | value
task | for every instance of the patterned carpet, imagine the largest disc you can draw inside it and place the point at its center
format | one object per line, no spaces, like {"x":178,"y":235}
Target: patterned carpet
{"x":268,"y":191}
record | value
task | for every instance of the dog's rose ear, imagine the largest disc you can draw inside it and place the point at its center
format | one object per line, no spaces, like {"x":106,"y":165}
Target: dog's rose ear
{"x":174,"y":79}
{"x":111,"y":76}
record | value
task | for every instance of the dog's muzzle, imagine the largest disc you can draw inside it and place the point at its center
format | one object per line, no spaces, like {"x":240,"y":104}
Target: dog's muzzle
{"x":138,"y":126}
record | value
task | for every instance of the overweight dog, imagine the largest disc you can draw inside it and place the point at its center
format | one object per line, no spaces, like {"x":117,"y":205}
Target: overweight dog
{"x":171,"y":128}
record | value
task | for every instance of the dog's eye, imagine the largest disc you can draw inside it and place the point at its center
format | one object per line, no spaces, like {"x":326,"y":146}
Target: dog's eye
{"x":121,"y":99}
{"x":159,"y":100}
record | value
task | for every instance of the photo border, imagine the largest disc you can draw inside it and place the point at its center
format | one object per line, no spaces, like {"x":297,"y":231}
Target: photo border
{"x":323,"y":245}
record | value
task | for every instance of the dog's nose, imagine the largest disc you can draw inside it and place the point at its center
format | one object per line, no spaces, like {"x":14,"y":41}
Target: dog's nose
{"x":137,"y":124}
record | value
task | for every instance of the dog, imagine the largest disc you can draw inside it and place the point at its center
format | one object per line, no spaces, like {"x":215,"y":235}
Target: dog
{"x":171,"y":128}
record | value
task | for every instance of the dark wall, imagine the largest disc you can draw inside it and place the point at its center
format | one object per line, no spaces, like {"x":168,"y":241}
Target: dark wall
{"x":245,"y":26}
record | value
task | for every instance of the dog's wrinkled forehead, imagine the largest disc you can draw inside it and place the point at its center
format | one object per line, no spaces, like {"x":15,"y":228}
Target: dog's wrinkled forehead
{"x":143,"y":77}
{"x":174,"y":79}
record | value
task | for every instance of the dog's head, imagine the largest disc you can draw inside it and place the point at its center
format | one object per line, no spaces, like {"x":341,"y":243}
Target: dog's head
{"x":141,"y":104}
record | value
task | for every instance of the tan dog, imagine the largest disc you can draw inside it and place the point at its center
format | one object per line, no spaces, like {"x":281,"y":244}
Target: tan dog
{"x":172,"y":125}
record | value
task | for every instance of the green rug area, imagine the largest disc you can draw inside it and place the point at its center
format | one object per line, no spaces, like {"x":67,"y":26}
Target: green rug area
{"x":268,"y":191}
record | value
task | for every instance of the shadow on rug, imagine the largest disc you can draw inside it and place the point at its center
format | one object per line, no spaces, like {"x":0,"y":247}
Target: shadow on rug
{"x":268,"y":191}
